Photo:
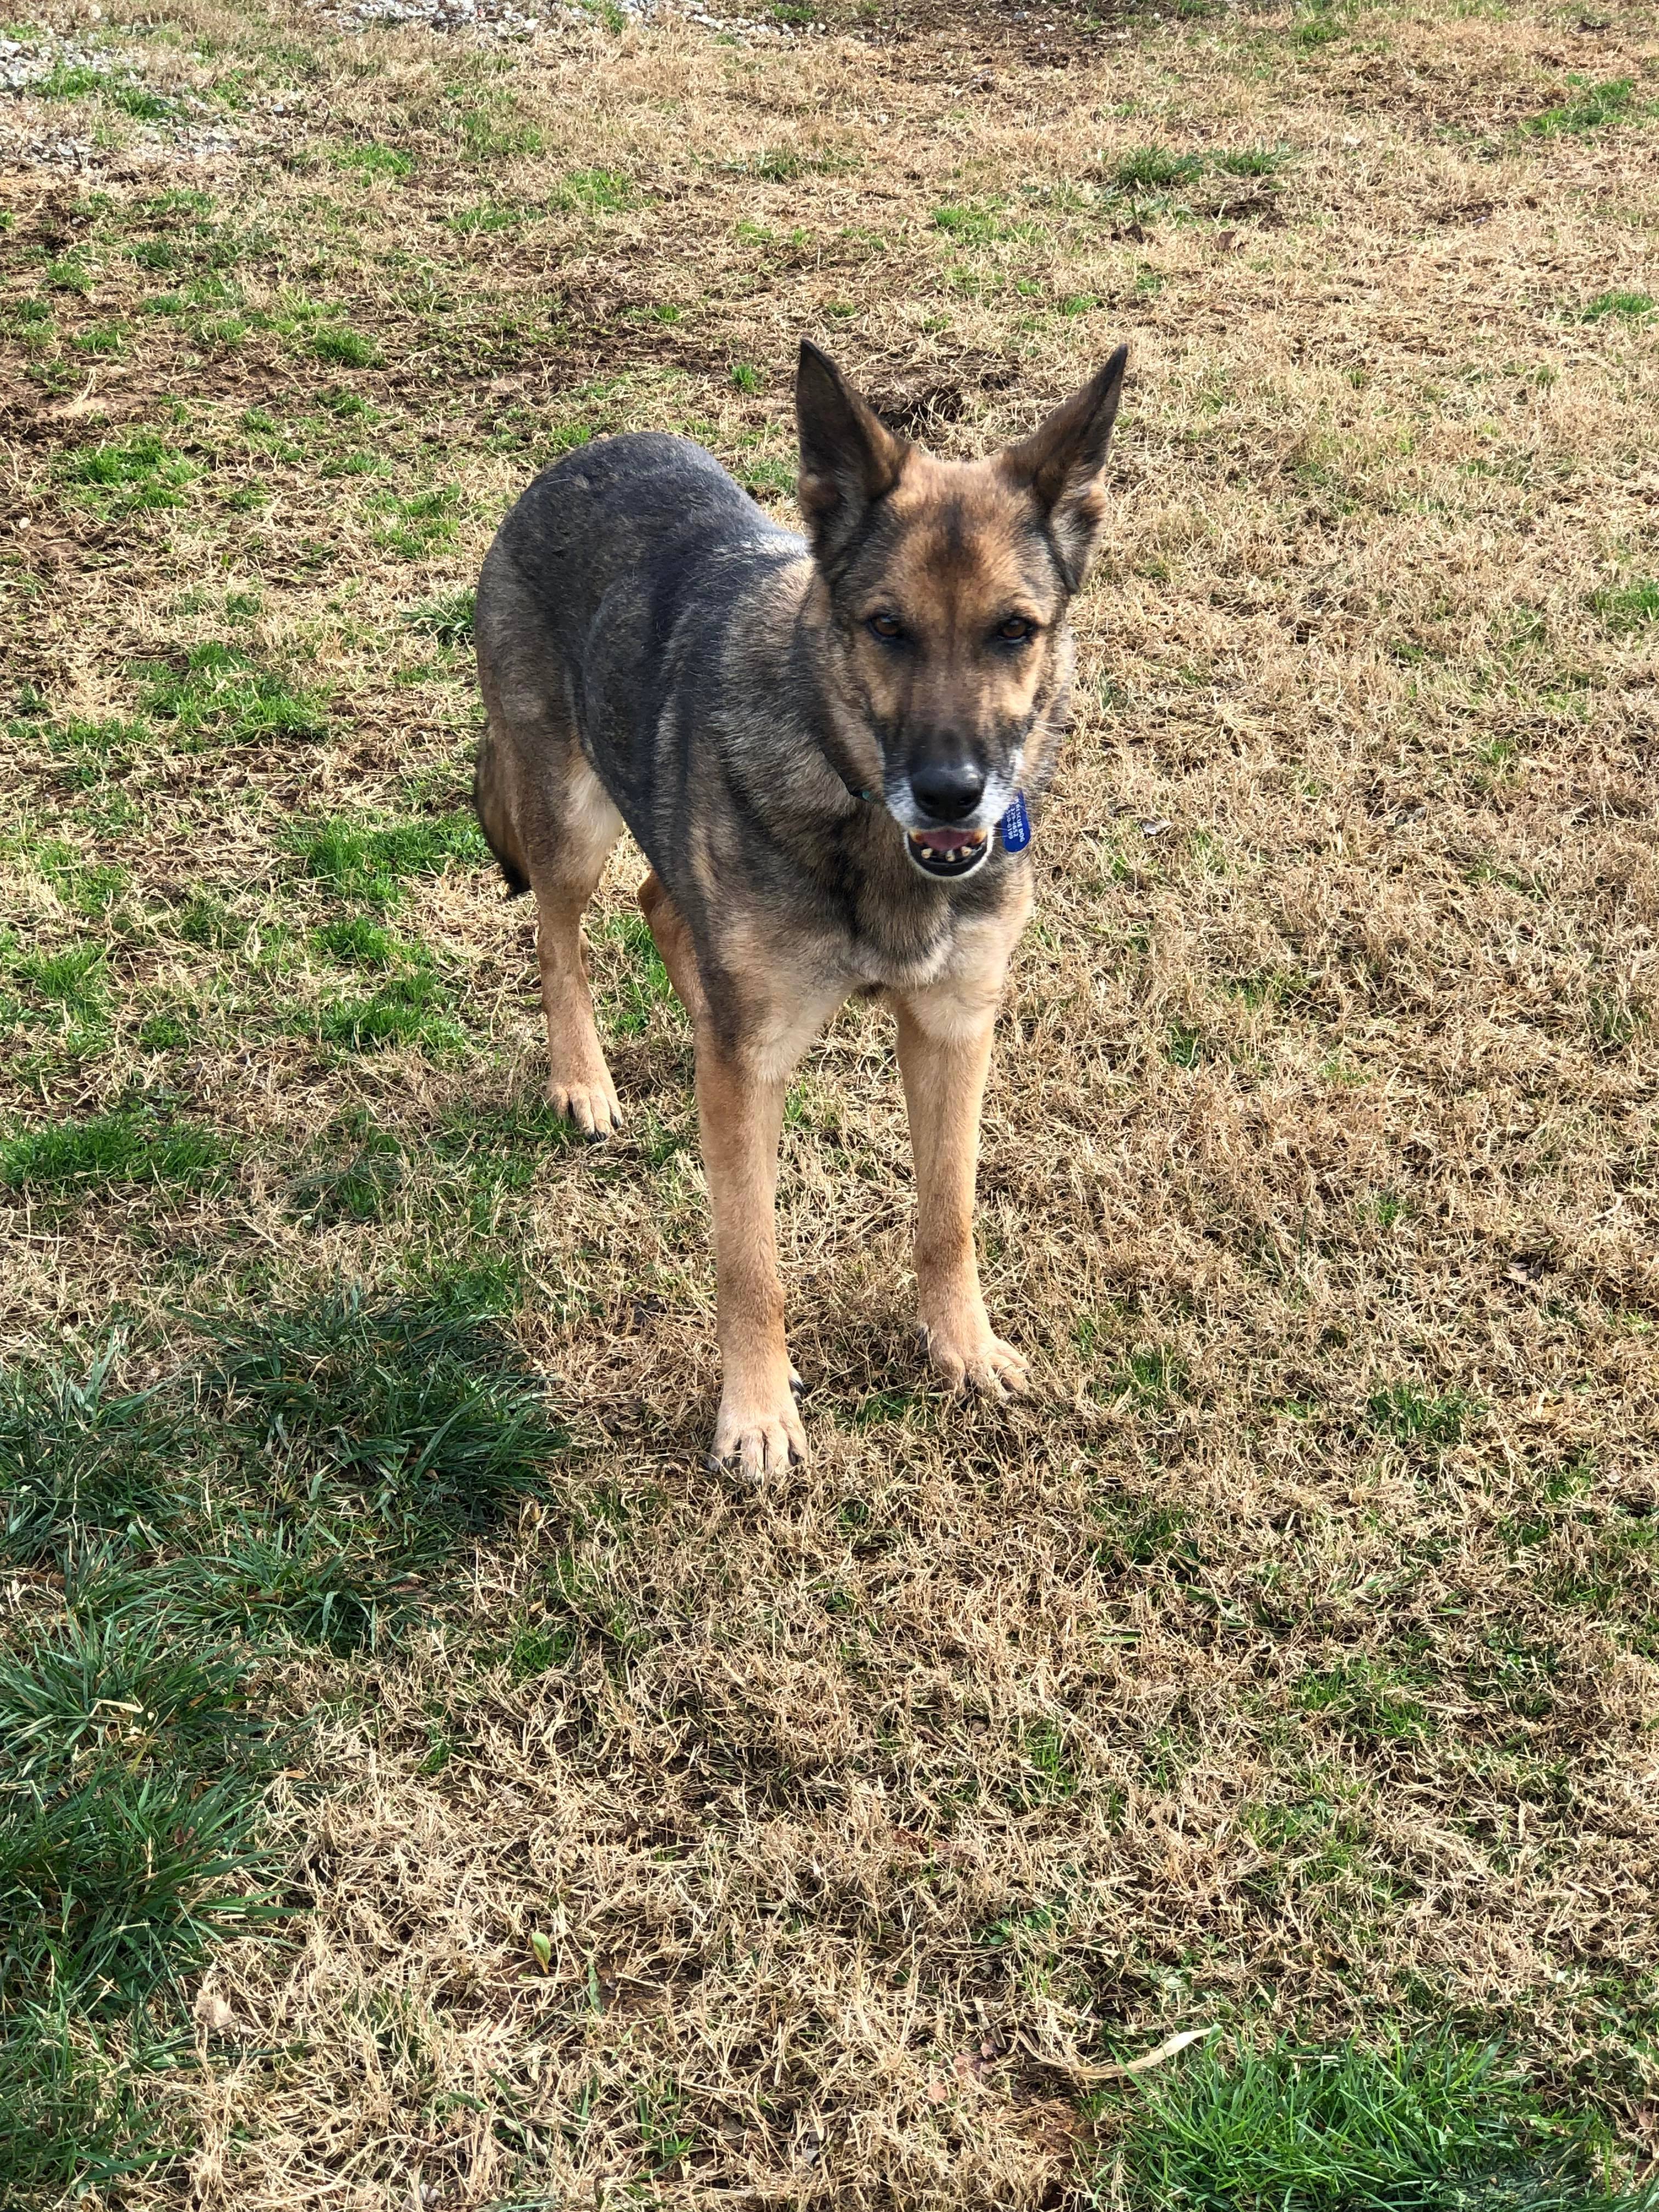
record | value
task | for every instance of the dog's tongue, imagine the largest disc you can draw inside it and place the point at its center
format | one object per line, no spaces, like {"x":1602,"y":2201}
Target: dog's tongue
{"x":950,"y":840}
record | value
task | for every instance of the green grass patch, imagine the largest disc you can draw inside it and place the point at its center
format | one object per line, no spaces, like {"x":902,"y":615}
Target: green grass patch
{"x":131,"y":1145}
{"x":1411,"y":1416}
{"x":1434,"y":2126}
{"x":142,"y":104}
{"x":80,"y":1461}
{"x":449,"y":620}
{"x":135,"y":475}
{"x":414,"y":526}
{"x":643,"y":985}
{"x":1591,"y":108}
{"x":221,"y":695}
{"x":600,"y":192}
{"x":1252,"y":160}
{"x":91,"y":887}
{"x":488,"y":135}
{"x":128,"y":1812}
{"x":387,"y":163}
{"x":370,"y":863}
{"x":412,"y":1010}
{"x":66,"y":990}
{"x":1155,"y":169}
{"x":1369,"y":1699}
{"x":308,"y":1483}
{"x":1152,"y":1377}
{"x":430,"y":1425}
{"x":346,"y":349}
{"x":1629,"y":606}
{"x":1618,"y":303}
{"x":356,"y":941}
{"x":358,"y":1186}
{"x":487,"y":216}
{"x":969,"y":226}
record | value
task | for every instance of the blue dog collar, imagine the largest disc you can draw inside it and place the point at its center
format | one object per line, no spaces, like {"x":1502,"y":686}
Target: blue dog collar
{"x":1015,"y":826}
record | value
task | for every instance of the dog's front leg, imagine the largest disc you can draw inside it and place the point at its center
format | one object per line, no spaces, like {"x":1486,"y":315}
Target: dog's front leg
{"x":944,"y":1054}
{"x":741,"y":1110}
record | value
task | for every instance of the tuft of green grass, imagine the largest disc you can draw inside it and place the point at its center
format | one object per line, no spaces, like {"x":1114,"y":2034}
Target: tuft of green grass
{"x":134,"y":475}
{"x":1591,"y":108}
{"x":71,"y":2118}
{"x":604,"y":191}
{"x":486,"y":216}
{"x":486,"y":137}
{"x":430,"y":1420}
{"x":1618,"y":303}
{"x":91,"y":887}
{"x":79,"y":1460}
{"x":129,"y":1145}
{"x":369,"y":862}
{"x":1047,"y":1776}
{"x":414,"y":525}
{"x":357,"y":1188}
{"x":1155,"y":169}
{"x":222,"y":696}
{"x":69,"y":81}
{"x":1411,"y":1416}
{"x":1630,"y":607}
{"x":1252,"y":160}
{"x":449,"y":620}
{"x":1153,"y":1376}
{"x":130,"y":1807}
{"x":357,"y":942}
{"x":643,"y":984}
{"x":376,"y":161}
{"x":142,"y":104}
{"x":1433,"y":2125}
{"x":67,"y":987}
{"x":967,"y":226}
{"x":345,"y":347}
{"x":404,"y":1010}
{"x":1373,"y":1701}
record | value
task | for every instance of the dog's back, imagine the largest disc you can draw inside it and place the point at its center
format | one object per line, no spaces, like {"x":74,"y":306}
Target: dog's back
{"x":604,"y":605}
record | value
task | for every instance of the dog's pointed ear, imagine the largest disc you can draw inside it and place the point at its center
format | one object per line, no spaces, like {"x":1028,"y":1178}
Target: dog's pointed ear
{"x":848,"y":458}
{"x":1063,"y":464}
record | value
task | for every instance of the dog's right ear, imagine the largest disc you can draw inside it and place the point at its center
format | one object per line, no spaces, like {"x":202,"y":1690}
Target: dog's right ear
{"x":848,"y":458}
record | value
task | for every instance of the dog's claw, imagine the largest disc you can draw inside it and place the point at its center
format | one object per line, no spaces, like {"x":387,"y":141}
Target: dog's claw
{"x":592,"y":1108}
{"x":758,"y":1432}
{"x":981,"y":1362}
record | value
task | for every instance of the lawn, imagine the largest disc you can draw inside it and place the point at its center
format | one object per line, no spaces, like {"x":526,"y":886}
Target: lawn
{"x":422,"y":1784}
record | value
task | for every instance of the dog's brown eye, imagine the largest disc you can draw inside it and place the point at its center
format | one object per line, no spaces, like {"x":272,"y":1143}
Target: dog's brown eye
{"x":1016,"y":629}
{"x":887,"y":626}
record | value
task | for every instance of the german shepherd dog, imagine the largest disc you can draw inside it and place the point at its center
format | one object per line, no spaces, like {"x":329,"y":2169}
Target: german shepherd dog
{"x":830,"y":750}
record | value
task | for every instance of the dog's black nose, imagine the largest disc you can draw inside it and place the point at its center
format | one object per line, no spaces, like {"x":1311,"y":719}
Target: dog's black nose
{"x":947,"y":791}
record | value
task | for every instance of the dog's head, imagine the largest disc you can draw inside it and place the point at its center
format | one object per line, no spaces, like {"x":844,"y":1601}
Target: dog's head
{"x":948,"y":584}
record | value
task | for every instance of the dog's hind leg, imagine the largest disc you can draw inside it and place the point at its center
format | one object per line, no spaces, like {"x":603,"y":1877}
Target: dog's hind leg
{"x":673,"y":941}
{"x":567,"y":850}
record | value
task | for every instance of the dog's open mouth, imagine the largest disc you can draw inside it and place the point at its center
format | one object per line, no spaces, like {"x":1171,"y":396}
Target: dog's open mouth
{"x":946,"y":852}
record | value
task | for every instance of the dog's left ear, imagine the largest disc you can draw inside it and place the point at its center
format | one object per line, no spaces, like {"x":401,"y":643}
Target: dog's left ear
{"x":1064,"y":462}
{"x":848,"y":457}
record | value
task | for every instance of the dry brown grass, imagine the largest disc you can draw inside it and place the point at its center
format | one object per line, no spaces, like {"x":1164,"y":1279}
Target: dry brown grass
{"x":1216,"y":1683}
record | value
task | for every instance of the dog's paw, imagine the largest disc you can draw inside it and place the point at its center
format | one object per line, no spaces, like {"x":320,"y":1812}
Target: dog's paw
{"x":969,"y":1359}
{"x":758,"y":1430}
{"x":591,"y":1106}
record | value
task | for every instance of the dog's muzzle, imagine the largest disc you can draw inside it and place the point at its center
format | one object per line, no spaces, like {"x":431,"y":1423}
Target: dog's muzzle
{"x":950,"y":854}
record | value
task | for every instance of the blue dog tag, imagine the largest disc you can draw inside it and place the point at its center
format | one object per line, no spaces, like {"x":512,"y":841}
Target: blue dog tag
{"x":1015,"y":826}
